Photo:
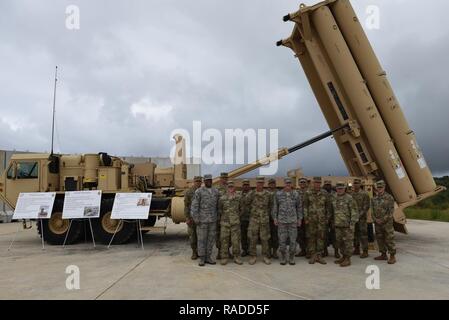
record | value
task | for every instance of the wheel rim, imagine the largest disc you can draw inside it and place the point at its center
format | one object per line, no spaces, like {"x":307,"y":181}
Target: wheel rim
{"x":57,"y":225}
{"x":110,"y":225}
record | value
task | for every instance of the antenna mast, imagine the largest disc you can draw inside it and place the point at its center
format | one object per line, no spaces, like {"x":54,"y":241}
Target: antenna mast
{"x":54,"y":110}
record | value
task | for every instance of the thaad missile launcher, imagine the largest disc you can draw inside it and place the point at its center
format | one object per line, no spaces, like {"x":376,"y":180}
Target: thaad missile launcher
{"x":352,"y":88}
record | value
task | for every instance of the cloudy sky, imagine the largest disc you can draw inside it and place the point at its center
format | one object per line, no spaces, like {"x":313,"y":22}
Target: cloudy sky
{"x":136,"y":70}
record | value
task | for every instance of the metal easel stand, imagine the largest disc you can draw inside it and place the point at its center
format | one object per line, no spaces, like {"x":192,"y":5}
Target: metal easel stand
{"x":139,"y":234}
{"x":115,"y":232}
{"x":68,"y":231}
{"x":14,"y":238}
{"x":18,"y":230}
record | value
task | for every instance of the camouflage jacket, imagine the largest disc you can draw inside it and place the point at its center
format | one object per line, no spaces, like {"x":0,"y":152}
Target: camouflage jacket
{"x":204,"y":207}
{"x":221,"y":189}
{"x":302,"y":195}
{"x":344,"y":210}
{"x":316,"y":207}
{"x":260,"y":205}
{"x":383,"y":208}
{"x":330,"y":196}
{"x":287,"y":207}
{"x":188,"y":197}
{"x":246,"y":206}
{"x":363,"y":203}
{"x":230,"y":208}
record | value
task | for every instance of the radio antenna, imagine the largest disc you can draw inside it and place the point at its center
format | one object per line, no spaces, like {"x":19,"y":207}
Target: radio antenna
{"x":54,"y":111}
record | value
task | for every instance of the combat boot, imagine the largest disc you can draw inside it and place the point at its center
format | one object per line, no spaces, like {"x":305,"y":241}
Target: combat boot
{"x":224,"y":262}
{"x":339,"y":260}
{"x":267,"y":260}
{"x":364,"y":255}
{"x":244,"y":253}
{"x":283,"y":259}
{"x":275,"y":254}
{"x":210,"y":261}
{"x":325,"y":252}
{"x":336,"y":254}
{"x":320,"y":260}
{"x":312,"y":259}
{"x":202,"y":262}
{"x":291,"y":261}
{"x":218,"y":256}
{"x":194,"y":255}
{"x":382,"y":257}
{"x":392,"y":259}
{"x":252,"y":260}
{"x":238,"y":261}
{"x":346,"y":262}
{"x":356,"y":251}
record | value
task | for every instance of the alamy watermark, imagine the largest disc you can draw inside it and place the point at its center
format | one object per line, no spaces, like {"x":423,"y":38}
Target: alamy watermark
{"x":228,"y":147}
{"x":373,"y":280}
{"x":72,"y":20}
{"x":72,"y":281}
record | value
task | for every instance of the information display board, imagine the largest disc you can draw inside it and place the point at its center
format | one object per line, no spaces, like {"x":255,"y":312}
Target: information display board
{"x":82,"y":204}
{"x":34,"y":205}
{"x":133,"y":206}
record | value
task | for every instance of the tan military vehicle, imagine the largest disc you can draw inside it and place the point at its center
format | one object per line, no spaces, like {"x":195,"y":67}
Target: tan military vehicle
{"x":355,"y":97}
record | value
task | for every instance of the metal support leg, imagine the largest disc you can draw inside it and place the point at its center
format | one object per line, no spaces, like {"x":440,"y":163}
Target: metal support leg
{"x":67,"y":235}
{"x":116,"y":229}
{"x":14,"y":239}
{"x":140,"y":234}
{"x":92,"y":232}
{"x":42,"y":235}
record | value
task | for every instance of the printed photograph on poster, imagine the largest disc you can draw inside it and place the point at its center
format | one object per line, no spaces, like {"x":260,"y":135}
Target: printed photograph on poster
{"x":34,"y":205}
{"x":82,"y":204}
{"x":131,"y":206}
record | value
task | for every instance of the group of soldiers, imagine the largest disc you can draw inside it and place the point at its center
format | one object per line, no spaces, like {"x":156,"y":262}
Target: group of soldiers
{"x":313,"y":216}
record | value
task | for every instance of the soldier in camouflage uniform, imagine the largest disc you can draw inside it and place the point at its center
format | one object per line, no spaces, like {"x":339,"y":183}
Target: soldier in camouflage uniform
{"x":204,"y":212}
{"x":345,"y":213}
{"x":244,"y":218}
{"x":222,"y":189}
{"x":229,"y":210}
{"x":287,"y":216}
{"x":274,"y":240}
{"x":330,"y":232}
{"x":316,"y":215}
{"x":361,"y":228}
{"x":382,"y":206}
{"x":190,"y":223}
{"x":260,"y":202}
{"x":301,"y":239}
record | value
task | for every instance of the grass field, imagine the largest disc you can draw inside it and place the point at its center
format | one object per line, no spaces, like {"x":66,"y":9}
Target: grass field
{"x":427,"y":214}
{"x":434,"y":209}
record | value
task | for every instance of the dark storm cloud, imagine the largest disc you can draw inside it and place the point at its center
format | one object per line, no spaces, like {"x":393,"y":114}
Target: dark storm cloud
{"x":136,"y":70}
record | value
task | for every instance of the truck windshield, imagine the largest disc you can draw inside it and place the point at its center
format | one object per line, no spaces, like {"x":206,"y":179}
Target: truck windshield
{"x":27,"y":170}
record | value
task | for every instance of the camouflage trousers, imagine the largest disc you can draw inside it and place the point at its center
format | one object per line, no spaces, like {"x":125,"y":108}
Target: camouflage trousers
{"x":301,"y":238}
{"x":206,"y":233}
{"x":361,"y":235}
{"x":274,"y":239}
{"x":345,"y":240}
{"x":217,"y":240}
{"x":288,"y":233}
{"x":385,"y":237}
{"x":331,"y":238}
{"x":191,"y":230}
{"x":244,"y":235}
{"x":256,"y":230}
{"x":315,"y":235}
{"x":230,"y":236}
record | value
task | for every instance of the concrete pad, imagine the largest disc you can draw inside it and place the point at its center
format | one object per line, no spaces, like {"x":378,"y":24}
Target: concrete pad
{"x":164,"y":271}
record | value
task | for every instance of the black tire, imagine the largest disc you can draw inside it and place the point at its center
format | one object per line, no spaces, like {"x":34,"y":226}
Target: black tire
{"x":104,"y":227}
{"x":55,"y":229}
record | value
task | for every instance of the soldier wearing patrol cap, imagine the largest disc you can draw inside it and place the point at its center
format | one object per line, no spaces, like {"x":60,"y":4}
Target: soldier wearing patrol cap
{"x":274,"y":240}
{"x":345,"y":215}
{"x":244,"y":218}
{"x":301,"y":239}
{"x":222,"y":189}
{"x":330,"y":231}
{"x":316,"y":213}
{"x":361,"y":227}
{"x":260,"y":202}
{"x":204,"y":212}
{"x":382,"y":206}
{"x":287,"y":216}
{"x":229,"y":211}
{"x":191,"y":227}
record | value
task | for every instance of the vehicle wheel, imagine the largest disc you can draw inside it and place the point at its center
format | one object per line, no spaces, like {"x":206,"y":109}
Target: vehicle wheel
{"x":55,"y":229}
{"x":149,"y":223}
{"x":104,"y":227}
